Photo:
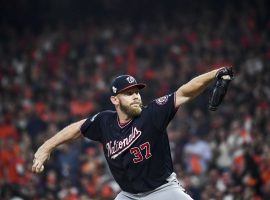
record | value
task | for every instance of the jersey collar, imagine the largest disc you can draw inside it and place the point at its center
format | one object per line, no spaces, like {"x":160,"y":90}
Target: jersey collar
{"x":124,"y":124}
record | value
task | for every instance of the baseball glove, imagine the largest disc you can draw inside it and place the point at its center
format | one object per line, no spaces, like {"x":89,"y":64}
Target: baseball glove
{"x":222,"y":81}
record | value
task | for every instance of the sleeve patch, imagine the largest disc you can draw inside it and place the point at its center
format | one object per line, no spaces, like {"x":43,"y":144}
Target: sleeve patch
{"x":162,"y":100}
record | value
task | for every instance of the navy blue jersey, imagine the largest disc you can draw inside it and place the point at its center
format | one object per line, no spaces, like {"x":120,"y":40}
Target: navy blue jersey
{"x":138,"y":153}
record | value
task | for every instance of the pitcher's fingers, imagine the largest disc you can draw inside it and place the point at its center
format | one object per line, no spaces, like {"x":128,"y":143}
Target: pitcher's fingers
{"x":35,"y":162}
{"x":34,"y":166}
{"x":38,"y":167}
{"x":41,"y":168}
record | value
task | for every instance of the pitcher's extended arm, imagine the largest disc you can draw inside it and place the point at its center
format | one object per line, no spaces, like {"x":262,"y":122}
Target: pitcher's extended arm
{"x":67,"y":134}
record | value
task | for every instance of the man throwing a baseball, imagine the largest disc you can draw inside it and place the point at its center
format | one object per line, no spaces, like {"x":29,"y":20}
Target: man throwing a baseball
{"x":134,"y":137}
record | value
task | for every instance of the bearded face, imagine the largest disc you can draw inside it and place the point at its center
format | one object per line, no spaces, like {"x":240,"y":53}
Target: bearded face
{"x":128,"y":102}
{"x":132,"y":110}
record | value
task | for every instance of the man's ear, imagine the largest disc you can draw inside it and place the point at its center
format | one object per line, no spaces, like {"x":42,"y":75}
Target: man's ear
{"x":114,"y":100}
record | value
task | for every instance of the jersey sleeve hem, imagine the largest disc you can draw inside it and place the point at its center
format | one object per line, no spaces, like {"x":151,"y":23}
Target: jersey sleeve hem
{"x":176,"y":107}
{"x":84,"y":126}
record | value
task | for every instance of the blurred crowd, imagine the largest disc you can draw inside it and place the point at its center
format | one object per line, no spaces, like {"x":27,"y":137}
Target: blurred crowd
{"x":51,"y":78}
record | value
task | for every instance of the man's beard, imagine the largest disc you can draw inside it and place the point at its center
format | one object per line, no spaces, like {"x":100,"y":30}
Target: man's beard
{"x":131,"y":111}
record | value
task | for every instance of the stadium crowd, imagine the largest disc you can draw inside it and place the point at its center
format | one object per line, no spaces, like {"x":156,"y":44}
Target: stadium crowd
{"x":62,"y":74}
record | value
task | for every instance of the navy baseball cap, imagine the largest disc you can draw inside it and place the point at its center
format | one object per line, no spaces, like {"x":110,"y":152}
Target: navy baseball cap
{"x":124,"y":82}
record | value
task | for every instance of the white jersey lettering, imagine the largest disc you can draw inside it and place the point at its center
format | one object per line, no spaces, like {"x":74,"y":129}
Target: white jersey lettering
{"x":115,"y":148}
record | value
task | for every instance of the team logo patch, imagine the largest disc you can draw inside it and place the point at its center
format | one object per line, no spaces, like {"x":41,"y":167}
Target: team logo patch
{"x":130,"y":79}
{"x":114,"y":89}
{"x":162,"y":100}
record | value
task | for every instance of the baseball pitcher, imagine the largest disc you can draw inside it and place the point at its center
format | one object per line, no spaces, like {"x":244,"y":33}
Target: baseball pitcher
{"x":134,"y":137}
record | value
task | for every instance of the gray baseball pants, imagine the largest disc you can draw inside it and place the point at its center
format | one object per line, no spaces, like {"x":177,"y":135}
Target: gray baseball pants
{"x":167,"y":191}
